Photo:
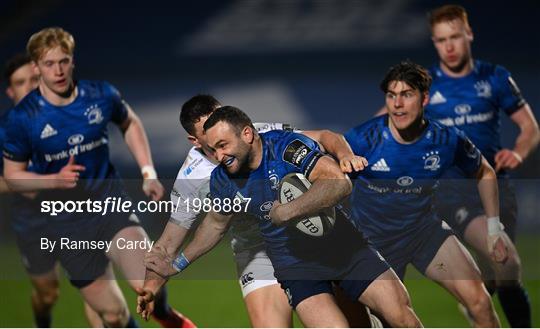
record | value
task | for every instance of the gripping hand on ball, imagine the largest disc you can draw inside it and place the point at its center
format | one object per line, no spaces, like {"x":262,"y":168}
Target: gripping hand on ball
{"x":278,"y":214}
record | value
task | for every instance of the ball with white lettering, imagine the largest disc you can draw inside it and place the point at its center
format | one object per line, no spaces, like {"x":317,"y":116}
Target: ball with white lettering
{"x":292,"y":186}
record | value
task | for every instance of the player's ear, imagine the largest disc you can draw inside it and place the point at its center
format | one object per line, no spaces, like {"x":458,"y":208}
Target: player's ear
{"x":10,"y":93}
{"x":194,"y":140}
{"x":425,"y":99}
{"x":247,"y":134}
{"x":469,"y":34}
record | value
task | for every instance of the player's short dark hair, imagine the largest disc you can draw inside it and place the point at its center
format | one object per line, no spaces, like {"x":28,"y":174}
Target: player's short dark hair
{"x":411,"y":73}
{"x":231,"y":115}
{"x":195,"y":108}
{"x":13,"y":64}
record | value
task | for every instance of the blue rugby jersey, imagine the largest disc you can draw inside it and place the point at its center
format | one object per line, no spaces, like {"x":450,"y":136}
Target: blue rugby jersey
{"x":392,"y":197}
{"x":473,"y":103}
{"x":283,"y":152}
{"x":47,"y":135}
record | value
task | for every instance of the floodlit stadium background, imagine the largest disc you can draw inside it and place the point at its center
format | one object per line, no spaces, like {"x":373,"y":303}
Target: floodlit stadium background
{"x":314,"y":64}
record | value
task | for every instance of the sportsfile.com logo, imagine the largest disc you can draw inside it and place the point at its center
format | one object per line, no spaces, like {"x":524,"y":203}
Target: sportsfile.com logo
{"x":122,"y":205}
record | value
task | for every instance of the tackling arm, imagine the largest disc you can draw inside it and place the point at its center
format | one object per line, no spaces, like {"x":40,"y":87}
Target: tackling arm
{"x":158,"y":261}
{"x":208,"y":234}
{"x":210,"y":231}
{"x":336,"y":145}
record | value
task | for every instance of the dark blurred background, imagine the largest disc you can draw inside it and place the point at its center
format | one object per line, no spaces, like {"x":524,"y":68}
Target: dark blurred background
{"x":314,"y":64}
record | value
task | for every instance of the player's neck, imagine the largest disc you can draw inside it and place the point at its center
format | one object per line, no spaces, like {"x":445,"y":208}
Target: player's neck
{"x":59,"y":99}
{"x":256,"y":154}
{"x":410,"y":134}
{"x":459,"y":71}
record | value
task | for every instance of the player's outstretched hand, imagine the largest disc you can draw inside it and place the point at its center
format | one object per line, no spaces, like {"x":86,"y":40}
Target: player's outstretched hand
{"x":352,"y":163}
{"x":159,"y":261}
{"x":498,"y":249}
{"x":145,"y":302}
{"x":507,"y":159}
{"x":68,"y":176}
{"x":153,"y":189}
{"x":277,"y":214}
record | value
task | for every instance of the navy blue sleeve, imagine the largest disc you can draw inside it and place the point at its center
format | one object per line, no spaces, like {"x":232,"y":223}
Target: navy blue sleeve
{"x":17,"y":144}
{"x":508,"y":96}
{"x":300,"y":153}
{"x":120,"y":107}
{"x":220,"y":184}
{"x":221,"y":187}
{"x":467,"y":157}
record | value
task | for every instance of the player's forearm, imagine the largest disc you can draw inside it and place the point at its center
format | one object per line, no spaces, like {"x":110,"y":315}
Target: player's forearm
{"x":488,"y":189}
{"x":324,"y":193}
{"x":25,"y":181}
{"x":172,"y":238}
{"x":137,"y":142}
{"x":207,"y":236}
{"x":335,"y":144}
{"x":154,"y":281}
{"x":527,"y":140}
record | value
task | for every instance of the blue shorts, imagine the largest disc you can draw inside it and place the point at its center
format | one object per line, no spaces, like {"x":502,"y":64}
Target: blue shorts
{"x":35,"y":260}
{"x":84,"y":266}
{"x":458,"y":202}
{"x":30,"y":226}
{"x":307,"y":279}
{"x":418,"y":249}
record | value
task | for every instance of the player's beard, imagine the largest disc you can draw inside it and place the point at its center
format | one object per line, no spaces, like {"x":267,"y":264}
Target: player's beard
{"x":242,"y":158}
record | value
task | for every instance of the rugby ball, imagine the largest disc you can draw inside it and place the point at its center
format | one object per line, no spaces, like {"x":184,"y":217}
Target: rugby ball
{"x":292,"y":186}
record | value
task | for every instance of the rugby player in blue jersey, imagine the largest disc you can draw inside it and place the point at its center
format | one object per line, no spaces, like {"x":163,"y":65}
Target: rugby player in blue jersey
{"x":392,"y":198}
{"x":61,"y":127}
{"x":471,"y":95}
{"x":251,"y":166}
{"x":266,"y":304}
{"x":28,"y":224}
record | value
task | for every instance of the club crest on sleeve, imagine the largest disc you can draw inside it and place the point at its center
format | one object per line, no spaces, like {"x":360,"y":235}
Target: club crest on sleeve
{"x":296,"y":152}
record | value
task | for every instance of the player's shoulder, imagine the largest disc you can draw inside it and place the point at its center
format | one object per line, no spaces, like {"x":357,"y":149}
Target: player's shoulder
{"x":276,"y":139}
{"x":443,"y":134}
{"x":96,"y":89}
{"x":221,"y":185}
{"x":195,"y":166}
{"x":279,"y":142}
{"x":371,"y":130}
{"x":486,"y":69}
{"x":436,"y":73}
{"x":28,"y":106}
